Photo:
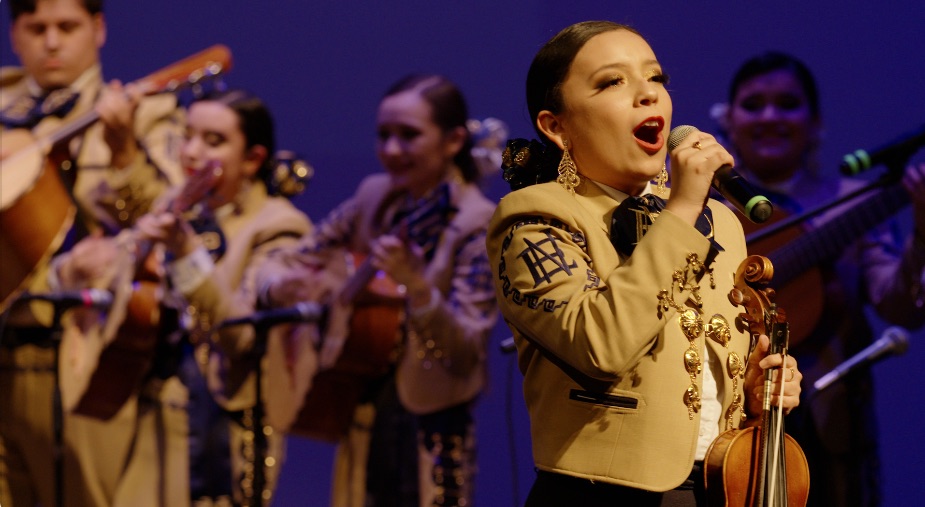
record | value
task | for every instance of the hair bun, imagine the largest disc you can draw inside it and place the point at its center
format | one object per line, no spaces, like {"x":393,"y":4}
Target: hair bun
{"x":290,"y":174}
{"x":527,"y":162}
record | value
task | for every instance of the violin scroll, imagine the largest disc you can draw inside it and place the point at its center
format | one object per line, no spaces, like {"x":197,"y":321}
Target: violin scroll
{"x":752,"y":293}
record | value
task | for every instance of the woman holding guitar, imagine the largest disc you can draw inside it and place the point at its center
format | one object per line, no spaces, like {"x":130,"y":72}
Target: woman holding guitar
{"x":186,"y":446}
{"x":421,"y":225}
{"x":773,"y":123}
{"x":112,"y":170}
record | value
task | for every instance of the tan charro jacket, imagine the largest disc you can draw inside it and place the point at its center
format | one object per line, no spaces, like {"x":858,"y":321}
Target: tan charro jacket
{"x":258,"y":225}
{"x":562,"y":287}
{"x":427,"y":384}
{"x":457,"y":327}
{"x":107,"y":198}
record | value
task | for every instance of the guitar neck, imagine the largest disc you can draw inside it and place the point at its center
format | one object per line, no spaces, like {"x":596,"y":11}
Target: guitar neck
{"x":72,"y":128}
{"x":831,"y":238}
{"x":365,"y":271}
{"x":363,"y":274}
{"x":190,"y":71}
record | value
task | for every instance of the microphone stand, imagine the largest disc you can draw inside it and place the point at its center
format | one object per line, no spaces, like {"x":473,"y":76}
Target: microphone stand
{"x":261,"y":330}
{"x":259,"y":455}
{"x":57,"y":409}
{"x":260,"y":438}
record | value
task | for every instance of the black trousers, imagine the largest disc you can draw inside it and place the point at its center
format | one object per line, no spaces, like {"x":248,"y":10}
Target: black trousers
{"x":558,"y":490}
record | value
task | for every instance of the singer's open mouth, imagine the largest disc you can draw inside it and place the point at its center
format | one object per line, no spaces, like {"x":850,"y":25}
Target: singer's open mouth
{"x":649,"y":134}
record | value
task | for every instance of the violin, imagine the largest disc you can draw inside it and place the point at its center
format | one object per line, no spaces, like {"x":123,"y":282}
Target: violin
{"x":759,"y":466}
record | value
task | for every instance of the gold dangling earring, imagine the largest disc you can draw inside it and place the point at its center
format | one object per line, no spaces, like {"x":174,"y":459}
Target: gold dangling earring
{"x":568,"y":173}
{"x":660,"y":181}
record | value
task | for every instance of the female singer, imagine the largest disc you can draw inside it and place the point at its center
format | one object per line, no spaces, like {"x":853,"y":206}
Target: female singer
{"x":627,"y":341}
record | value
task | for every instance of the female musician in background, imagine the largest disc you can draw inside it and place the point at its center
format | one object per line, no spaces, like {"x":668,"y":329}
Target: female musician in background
{"x":412,"y":441}
{"x":773,"y":123}
{"x":631,"y":357}
{"x":187,"y":448}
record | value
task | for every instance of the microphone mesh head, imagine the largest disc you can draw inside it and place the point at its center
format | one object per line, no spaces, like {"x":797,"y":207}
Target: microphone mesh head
{"x":899,"y":339}
{"x":678,"y":134}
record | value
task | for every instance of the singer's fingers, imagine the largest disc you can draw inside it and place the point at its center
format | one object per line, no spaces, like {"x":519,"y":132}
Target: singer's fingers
{"x":707,"y":146}
{"x":772,"y":361}
{"x":692,"y":170}
{"x":707,"y":149}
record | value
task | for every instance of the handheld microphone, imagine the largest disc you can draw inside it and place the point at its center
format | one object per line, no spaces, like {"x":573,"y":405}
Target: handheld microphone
{"x":85,"y":298}
{"x":894,"y":340}
{"x":300,"y":312}
{"x":897,"y":151}
{"x":727,"y":182}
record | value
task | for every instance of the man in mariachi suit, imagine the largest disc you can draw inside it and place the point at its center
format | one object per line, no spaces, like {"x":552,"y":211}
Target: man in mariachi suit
{"x":111,"y":172}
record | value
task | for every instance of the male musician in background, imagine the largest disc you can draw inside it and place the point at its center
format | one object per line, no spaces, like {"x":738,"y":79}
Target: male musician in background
{"x":113,"y":171}
{"x":773,"y":124}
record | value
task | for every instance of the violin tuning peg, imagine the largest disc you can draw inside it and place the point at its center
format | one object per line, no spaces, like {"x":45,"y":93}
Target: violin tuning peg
{"x":736,"y":297}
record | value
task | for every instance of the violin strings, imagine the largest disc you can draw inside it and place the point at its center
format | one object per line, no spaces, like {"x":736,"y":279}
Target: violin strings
{"x":778,"y":426}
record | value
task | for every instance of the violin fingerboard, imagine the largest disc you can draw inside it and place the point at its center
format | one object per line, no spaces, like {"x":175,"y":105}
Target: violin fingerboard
{"x":780,"y":338}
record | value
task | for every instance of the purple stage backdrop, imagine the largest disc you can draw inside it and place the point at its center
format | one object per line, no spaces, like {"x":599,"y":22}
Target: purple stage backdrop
{"x":323,"y":65}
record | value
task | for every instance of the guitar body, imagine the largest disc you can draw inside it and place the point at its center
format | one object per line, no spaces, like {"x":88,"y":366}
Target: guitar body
{"x":805,"y":291}
{"x":36,"y":211}
{"x":799,"y":253}
{"x":369,"y":352}
{"x":123,"y":363}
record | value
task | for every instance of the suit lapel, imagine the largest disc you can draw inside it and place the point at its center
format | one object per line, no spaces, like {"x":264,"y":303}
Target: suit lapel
{"x":596,"y":202}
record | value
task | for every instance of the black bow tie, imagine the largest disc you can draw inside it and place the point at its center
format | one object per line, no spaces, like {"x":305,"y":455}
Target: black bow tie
{"x":632,"y":218}
{"x":27,"y":111}
{"x":208,"y":230}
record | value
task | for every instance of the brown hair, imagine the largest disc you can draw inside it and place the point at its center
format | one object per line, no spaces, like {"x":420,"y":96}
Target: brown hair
{"x":448,"y":110}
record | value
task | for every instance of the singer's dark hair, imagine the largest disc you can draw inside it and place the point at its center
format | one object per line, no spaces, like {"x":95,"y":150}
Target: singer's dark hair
{"x":528,"y":162}
{"x":448,"y":111}
{"x":550,"y":66}
{"x":20,"y":7}
{"x":771,"y":61}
